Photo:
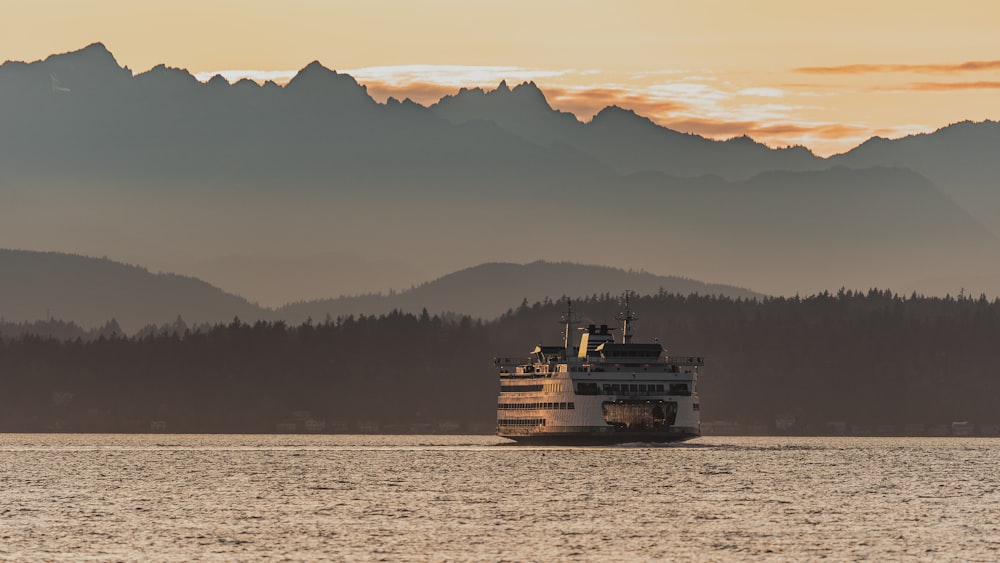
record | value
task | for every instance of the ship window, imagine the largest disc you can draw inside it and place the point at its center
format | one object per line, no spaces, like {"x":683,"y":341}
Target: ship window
{"x":586,"y":388}
{"x":697,"y":407}
{"x":659,"y":387}
{"x":616,"y":387}
{"x":607,"y":387}
{"x":679,"y":389}
{"x":571,"y":406}
{"x":633,"y":387}
{"x":642,"y":387}
{"x":520,"y":388}
{"x":521,"y":422}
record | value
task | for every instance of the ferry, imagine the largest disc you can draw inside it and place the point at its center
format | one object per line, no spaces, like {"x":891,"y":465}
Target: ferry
{"x":599,"y":391}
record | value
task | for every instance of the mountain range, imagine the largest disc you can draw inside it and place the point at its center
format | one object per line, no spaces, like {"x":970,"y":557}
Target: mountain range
{"x":92,"y":291}
{"x":255,"y":186}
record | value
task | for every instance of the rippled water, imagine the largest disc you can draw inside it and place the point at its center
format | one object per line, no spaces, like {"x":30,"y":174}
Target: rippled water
{"x":423,"y":498}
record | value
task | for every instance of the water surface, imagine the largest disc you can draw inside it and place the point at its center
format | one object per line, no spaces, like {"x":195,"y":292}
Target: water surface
{"x":169,"y":497}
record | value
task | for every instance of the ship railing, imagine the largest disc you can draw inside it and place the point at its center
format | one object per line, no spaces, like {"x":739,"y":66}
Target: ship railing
{"x":513,"y":366}
{"x":511,"y":361}
{"x":682,"y":360}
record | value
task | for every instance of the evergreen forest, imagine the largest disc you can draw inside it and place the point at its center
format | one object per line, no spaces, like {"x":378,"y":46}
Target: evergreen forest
{"x":845,"y":363}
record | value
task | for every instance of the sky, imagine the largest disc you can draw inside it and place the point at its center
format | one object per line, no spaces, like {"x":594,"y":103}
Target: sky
{"x":827,"y":75}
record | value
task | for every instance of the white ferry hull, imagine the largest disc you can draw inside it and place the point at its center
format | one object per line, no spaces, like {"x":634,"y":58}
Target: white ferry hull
{"x":598,"y":393}
{"x":599,"y":438}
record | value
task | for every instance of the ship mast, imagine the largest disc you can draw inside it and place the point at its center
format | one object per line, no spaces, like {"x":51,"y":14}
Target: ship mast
{"x":626,"y":317}
{"x":567,"y":320}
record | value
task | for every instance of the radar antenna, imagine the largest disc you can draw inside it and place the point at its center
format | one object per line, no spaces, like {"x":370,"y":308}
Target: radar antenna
{"x":568,"y":321}
{"x":626,"y":317}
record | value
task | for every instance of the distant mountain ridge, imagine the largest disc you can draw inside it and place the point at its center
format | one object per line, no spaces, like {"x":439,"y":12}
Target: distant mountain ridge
{"x":164,"y":169}
{"x":961,"y":159}
{"x":489,"y":290}
{"x":619,"y":137}
{"x":92,"y":291}
{"x":80,"y":113}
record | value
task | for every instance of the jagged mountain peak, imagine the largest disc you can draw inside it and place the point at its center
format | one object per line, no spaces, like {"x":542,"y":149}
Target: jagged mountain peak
{"x":525,"y":99}
{"x":95,"y":53}
{"x":615,"y":111}
{"x":618,"y":116}
{"x":404,"y":104}
{"x":527,"y":86}
{"x":744,"y":140}
{"x":90,"y":68}
{"x":317,"y":80}
{"x":162,"y":75}
{"x":314,"y":74}
{"x":523,"y":91}
{"x":531,"y":92}
{"x":316,"y":67}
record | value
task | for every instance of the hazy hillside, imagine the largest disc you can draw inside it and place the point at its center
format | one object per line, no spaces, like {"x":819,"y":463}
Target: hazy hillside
{"x":489,"y":290}
{"x":255,"y":184}
{"x":91,"y":291}
{"x":275,"y":280}
{"x":963,"y":160}
{"x":879,"y":227}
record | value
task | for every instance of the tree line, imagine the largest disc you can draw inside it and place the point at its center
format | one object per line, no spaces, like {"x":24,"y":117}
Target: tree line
{"x":863,"y":360}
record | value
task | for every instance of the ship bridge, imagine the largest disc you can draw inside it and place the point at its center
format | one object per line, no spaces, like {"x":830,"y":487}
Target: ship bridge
{"x":618,"y":353}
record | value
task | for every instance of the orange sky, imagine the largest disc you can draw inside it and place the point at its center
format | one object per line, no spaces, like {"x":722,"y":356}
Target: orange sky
{"x":827,"y":75}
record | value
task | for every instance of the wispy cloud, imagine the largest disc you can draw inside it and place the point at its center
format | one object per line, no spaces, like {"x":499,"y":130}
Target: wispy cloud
{"x":823,"y":139}
{"x":718,"y":112}
{"x":947,"y":86}
{"x":762,"y":92}
{"x":585,"y":102}
{"x":770,"y":131}
{"x":970,"y":66}
{"x":453,"y":75}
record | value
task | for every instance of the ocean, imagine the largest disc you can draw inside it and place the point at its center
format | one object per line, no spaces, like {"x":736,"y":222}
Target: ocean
{"x":476,"y":498}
